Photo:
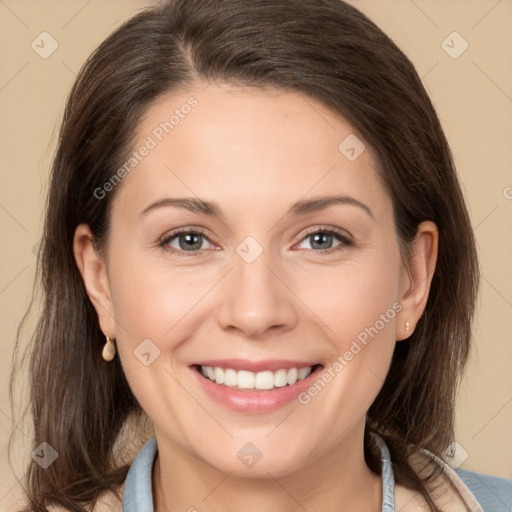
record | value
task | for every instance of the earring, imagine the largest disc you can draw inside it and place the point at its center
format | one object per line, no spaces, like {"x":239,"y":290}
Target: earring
{"x":407,"y":326}
{"x":109,"y":350}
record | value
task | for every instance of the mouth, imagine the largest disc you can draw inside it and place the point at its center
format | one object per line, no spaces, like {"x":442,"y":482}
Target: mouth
{"x":254,"y":387}
{"x":267,"y":379}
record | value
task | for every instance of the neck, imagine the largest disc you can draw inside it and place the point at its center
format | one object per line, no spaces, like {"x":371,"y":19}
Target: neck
{"x":337,"y":480}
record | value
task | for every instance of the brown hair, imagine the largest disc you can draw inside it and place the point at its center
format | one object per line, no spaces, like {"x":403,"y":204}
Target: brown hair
{"x":326,"y":50}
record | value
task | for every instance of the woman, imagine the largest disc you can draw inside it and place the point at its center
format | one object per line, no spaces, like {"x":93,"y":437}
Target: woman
{"x":256,"y":240}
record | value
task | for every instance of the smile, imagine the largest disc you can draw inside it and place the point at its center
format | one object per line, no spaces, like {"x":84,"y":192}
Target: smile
{"x":254,"y":387}
{"x":263,"y":380}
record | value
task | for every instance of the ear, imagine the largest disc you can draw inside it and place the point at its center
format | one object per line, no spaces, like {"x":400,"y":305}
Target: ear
{"x":93,"y":270}
{"x":417,"y":277}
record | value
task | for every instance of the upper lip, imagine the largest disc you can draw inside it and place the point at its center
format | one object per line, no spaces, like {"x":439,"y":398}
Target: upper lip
{"x":255,"y":366}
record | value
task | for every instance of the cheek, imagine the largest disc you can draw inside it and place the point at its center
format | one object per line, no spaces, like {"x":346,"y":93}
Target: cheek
{"x":153,"y":299}
{"x":358,"y":307}
{"x":153,"y":307}
{"x":353,"y":299}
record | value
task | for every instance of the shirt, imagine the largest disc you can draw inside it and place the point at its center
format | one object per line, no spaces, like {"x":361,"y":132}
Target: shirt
{"x":480,"y":493}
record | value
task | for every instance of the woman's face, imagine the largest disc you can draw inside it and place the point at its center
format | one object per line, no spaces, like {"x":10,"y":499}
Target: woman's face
{"x":253,"y":290}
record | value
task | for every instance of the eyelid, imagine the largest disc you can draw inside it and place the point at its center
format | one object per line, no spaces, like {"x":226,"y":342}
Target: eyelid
{"x":345,"y":238}
{"x":187,"y":229}
{"x":173,"y":233}
{"x":342,"y":233}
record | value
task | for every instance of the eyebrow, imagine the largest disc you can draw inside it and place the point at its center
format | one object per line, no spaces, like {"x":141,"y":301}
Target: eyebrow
{"x":209,"y":208}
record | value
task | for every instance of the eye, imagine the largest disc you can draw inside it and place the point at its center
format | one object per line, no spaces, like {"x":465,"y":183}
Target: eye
{"x":187,"y":240}
{"x":322,"y":238}
{"x":193,"y":241}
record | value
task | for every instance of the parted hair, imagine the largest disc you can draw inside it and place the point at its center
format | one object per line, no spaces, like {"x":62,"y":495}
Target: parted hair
{"x":323,"y":49}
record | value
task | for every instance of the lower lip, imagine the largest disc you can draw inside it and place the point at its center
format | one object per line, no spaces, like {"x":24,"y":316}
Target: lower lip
{"x":255,"y":401}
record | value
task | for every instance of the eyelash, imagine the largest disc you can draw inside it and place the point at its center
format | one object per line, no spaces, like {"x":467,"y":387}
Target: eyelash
{"x":338,"y":233}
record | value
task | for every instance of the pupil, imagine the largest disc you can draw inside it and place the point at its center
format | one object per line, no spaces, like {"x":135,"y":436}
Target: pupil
{"x":190,"y":238}
{"x":322,"y":237}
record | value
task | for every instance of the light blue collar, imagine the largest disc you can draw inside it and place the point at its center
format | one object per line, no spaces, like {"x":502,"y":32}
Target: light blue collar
{"x":138,"y":495}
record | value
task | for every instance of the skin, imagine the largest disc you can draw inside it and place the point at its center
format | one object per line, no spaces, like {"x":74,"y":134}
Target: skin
{"x":252,"y":151}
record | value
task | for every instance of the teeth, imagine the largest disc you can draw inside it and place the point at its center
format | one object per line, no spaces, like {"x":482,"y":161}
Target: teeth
{"x":292,"y":376}
{"x":260,"y":380}
{"x":245,"y":379}
{"x":219,"y":375}
{"x":304,"y":372}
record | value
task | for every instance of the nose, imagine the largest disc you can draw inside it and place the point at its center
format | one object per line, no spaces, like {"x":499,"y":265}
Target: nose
{"x":256,"y":299}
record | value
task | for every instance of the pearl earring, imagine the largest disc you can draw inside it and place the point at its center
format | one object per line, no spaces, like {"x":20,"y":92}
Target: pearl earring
{"x":109,"y":350}
{"x":407,"y":326}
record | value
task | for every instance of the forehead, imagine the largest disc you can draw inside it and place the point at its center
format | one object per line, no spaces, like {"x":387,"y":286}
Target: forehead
{"x":248,"y":147}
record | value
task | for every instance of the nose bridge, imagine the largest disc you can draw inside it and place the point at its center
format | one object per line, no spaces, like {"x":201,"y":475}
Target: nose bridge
{"x":256,"y":299}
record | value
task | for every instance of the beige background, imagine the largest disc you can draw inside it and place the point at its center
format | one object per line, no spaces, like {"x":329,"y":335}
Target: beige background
{"x":473,"y":96}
